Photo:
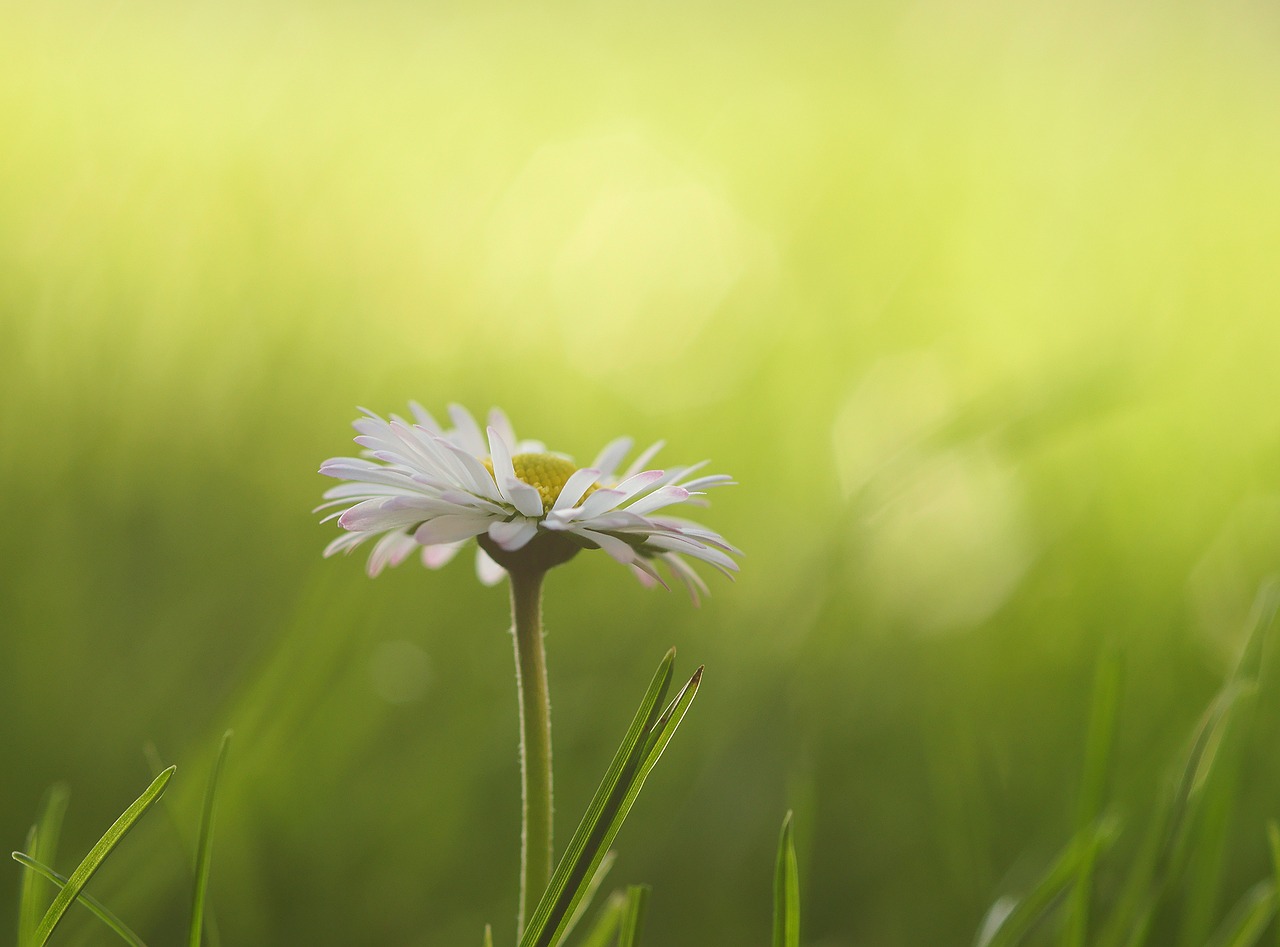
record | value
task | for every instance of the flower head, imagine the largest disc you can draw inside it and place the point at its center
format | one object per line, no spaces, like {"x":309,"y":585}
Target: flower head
{"x":421,"y":485}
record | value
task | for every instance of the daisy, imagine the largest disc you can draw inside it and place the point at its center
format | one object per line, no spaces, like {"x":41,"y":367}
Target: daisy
{"x":420,"y":485}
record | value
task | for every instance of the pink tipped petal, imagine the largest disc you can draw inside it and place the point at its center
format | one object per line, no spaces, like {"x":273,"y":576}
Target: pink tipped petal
{"x":514,"y":535}
{"x":450,"y":529}
{"x":646,"y":579}
{"x":433,"y":557}
{"x":658,"y":499}
{"x":611,"y":456}
{"x":488,"y":571}
{"x":638,"y":483}
{"x":602,"y":501}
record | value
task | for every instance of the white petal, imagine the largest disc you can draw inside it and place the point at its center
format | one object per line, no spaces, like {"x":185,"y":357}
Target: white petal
{"x":488,"y":571}
{"x":466,"y":432}
{"x":642,"y":461}
{"x":423,"y":417}
{"x":475,"y":477}
{"x":450,"y":529}
{"x":614,"y":546}
{"x":514,"y":535}
{"x":519,"y":494}
{"x":611,"y":456}
{"x":575,"y":487}
{"x":345,"y":543}
{"x":499,"y":421}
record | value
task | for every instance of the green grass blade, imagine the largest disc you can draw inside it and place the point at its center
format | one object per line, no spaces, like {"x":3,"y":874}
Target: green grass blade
{"x":93,"y":904}
{"x":606,"y":925}
{"x":98,"y":854}
{"x":598,"y":829}
{"x":786,"y":890}
{"x":204,"y":844}
{"x":488,"y":935}
{"x":571,"y":873}
{"x":1026,"y":911}
{"x":1102,"y":727}
{"x":1249,"y":918}
{"x":28,"y":898}
{"x":1168,"y":847}
{"x":633,"y":916}
{"x":42,"y":844}
{"x":606,"y":864}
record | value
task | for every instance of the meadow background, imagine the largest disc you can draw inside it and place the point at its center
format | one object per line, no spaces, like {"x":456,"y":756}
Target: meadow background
{"x":977,"y":301}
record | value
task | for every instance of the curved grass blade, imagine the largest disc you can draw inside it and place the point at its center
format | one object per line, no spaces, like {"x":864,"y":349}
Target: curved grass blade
{"x":1249,"y":918}
{"x":42,"y":844}
{"x":1167,"y":846}
{"x":93,"y":904}
{"x":633,"y":916}
{"x":641,"y":749}
{"x":98,"y":854}
{"x":204,"y":844}
{"x":786,"y":890}
{"x":606,"y":926}
{"x":1025,"y":912}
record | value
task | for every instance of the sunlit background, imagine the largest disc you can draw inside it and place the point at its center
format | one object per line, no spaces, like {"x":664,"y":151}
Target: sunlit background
{"x":978,"y":302}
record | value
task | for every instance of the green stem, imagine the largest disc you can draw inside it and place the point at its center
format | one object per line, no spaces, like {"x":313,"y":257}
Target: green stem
{"x":535,"y":739}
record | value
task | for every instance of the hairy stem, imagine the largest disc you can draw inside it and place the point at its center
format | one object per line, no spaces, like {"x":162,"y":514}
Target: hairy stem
{"x":535,"y":739}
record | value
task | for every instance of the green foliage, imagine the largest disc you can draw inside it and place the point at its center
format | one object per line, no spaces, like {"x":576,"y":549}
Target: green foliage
{"x":93,"y":904}
{"x":650,"y":731}
{"x":71,"y":889}
{"x":1189,"y":817}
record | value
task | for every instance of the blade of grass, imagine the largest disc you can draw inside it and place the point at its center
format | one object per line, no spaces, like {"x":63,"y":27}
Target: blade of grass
{"x":93,"y":904}
{"x":606,"y":864}
{"x":1027,"y":910}
{"x":98,"y":854}
{"x":1102,"y":727}
{"x":1166,"y":847}
{"x":1246,"y":922}
{"x":488,"y":935}
{"x":624,"y":761}
{"x":786,"y":890}
{"x":28,"y":899}
{"x":204,"y":844}
{"x":633,"y":916}
{"x":42,"y":844}
{"x":607,"y":922}
{"x":613,"y":801}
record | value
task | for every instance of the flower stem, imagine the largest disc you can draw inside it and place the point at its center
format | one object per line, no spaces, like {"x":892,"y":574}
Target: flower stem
{"x":535,"y":739}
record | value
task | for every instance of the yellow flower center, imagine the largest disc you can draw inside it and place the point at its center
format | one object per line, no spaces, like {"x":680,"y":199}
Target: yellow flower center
{"x":545,"y":473}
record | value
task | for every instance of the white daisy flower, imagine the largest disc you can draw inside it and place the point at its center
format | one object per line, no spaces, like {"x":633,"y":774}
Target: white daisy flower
{"x":420,"y":485}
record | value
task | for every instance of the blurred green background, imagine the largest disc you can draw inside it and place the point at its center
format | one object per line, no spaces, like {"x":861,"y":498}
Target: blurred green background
{"x":977,"y":301}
